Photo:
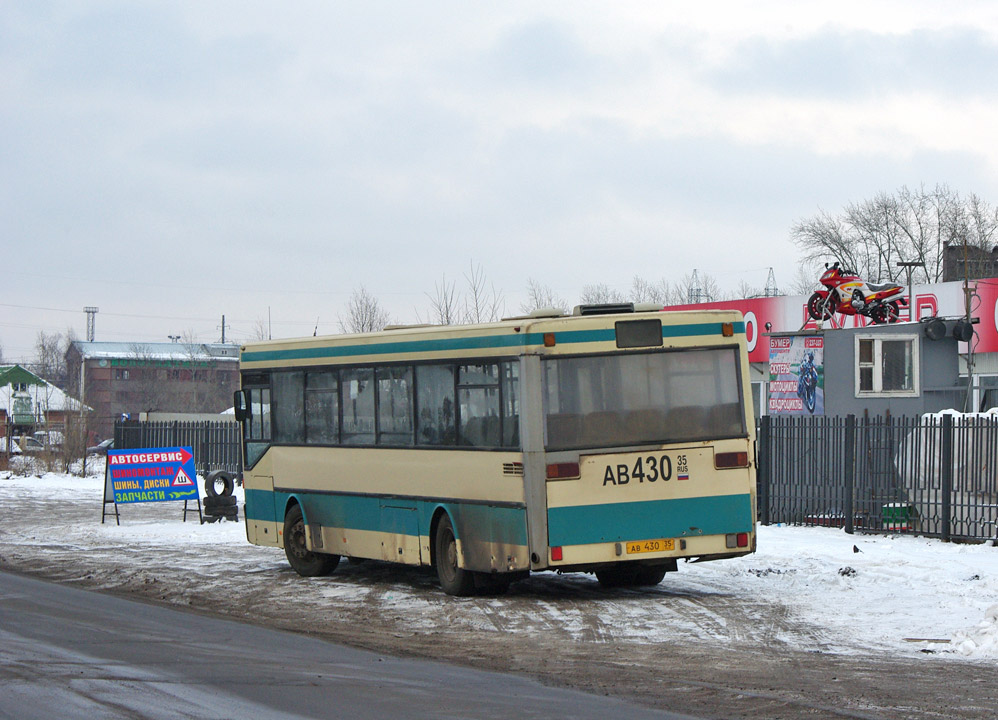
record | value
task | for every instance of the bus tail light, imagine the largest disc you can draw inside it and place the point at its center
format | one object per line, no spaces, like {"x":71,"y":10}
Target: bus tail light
{"x":559,"y":471}
{"x":731,"y":460}
{"x":739,"y":540}
{"x":556,"y":554}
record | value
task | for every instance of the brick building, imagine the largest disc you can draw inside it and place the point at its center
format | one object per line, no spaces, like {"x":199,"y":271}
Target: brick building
{"x":130,"y":378}
{"x":967,"y":261}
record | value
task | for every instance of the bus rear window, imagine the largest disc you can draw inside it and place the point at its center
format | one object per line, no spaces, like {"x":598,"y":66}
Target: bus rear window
{"x":642,"y":398}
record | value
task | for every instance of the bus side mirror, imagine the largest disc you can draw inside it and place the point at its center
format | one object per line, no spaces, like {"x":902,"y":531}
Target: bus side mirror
{"x":239,"y":404}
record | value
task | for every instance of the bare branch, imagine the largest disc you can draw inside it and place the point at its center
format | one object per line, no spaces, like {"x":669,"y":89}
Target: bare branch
{"x":364,"y":313}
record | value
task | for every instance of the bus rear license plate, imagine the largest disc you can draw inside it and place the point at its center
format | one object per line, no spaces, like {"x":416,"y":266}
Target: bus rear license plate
{"x":648,"y":546}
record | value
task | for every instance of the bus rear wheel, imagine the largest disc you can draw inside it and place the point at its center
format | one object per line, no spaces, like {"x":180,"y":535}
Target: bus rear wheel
{"x":650,"y":575}
{"x":617,"y":576}
{"x":453,"y":579}
{"x":302,"y":560}
{"x":632,"y":575}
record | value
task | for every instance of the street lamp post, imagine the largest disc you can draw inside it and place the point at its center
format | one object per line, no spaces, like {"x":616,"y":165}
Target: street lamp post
{"x":909,"y":268}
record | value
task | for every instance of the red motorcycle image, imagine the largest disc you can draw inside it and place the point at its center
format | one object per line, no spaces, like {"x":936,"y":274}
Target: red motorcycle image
{"x":844,"y":292}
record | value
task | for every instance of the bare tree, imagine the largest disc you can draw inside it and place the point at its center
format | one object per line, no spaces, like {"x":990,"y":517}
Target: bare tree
{"x":600,"y":294}
{"x":364,"y":313}
{"x":874,"y":235}
{"x":443,"y":304}
{"x":541,"y":296}
{"x":50,"y":356}
{"x":482,"y":304}
{"x":261,"y":329}
{"x":805,"y":281}
{"x":657,"y":292}
{"x":745,"y":290}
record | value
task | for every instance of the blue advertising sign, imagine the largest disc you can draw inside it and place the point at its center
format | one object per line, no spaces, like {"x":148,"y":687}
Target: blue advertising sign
{"x":153,"y":475}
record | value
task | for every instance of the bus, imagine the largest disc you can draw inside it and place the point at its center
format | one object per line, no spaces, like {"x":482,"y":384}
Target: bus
{"x":612,"y":441}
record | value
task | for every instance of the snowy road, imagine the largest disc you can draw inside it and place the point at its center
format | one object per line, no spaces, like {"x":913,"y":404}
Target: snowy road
{"x":75,"y":654}
{"x":808,"y":626}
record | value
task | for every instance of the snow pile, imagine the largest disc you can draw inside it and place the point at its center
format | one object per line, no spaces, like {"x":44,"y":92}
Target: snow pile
{"x":982,"y":641}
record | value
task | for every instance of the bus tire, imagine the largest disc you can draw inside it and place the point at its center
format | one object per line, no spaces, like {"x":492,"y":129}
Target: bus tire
{"x":453,"y":579}
{"x":649,"y":575}
{"x":219,"y":483}
{"x":302,"y":560}
{"x":617,"y":576}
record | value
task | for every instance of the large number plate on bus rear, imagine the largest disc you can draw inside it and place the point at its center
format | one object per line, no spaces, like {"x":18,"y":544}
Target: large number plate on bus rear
{"x":649,"y":546}
{"x":654,"y":467}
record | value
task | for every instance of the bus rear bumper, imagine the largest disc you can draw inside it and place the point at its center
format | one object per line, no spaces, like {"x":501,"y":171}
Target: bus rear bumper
{"x":570,"y":558}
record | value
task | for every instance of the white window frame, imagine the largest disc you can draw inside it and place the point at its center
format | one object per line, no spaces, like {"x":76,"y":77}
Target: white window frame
{"x":878,"y":369}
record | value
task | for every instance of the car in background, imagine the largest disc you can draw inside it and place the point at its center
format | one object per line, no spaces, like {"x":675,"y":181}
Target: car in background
{"x":101,"y":448}
{"x":51,"y":439}
{"x":29,"y":445}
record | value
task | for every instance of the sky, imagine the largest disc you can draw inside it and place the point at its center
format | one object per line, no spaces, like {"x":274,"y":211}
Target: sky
{"x":172,"y":163}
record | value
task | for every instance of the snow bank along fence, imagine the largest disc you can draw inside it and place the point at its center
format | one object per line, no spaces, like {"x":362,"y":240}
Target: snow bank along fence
{"x":215,"y":444}
{"x":933,"y":475}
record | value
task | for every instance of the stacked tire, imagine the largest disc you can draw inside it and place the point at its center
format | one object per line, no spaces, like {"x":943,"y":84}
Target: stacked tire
{"x":219,"y":503}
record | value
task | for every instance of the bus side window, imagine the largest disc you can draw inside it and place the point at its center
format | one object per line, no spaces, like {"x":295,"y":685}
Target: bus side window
{"x":322,"y":412}
{"x":289,"y":407}
{"x":478,"y":403}
{"x":394,"y":405}
{"x":435,"y":403}
{"x":357,"y":401}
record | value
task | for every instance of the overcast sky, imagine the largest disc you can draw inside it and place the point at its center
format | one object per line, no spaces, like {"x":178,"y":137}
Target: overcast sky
{"x":175,"y":162}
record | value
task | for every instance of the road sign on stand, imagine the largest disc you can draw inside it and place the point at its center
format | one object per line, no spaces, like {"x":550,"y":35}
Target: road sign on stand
{"x":150,"y":475}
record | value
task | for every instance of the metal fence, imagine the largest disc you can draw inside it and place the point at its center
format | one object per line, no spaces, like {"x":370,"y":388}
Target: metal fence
{"x":215,"y":444}
{"x":930,"y":475}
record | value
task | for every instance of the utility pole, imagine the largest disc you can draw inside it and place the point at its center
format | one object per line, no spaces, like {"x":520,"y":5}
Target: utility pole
{"x":91,"y":315}
{"x":223,"y":329}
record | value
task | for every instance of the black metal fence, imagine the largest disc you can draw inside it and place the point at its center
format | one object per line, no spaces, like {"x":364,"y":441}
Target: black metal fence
{"x":930,"y":475}
{"x":215,"y":444}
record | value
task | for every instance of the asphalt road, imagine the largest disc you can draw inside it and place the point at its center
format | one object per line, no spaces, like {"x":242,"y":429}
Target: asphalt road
{"x":71,"y":653}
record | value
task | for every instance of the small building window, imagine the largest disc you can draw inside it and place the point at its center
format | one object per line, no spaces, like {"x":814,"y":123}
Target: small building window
{"x":887,"y":366}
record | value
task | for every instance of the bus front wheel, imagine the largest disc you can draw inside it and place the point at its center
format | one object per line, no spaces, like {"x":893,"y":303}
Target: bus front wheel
{"x":453,"y":579}
{"x":302,"y":560}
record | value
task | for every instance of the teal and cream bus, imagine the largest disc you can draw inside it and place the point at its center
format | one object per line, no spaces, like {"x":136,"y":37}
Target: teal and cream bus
{"x":608,"y":441}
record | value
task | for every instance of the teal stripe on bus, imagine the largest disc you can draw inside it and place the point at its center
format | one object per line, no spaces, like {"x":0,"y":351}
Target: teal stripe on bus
{"x":396,"y":347}
{"x":480,"y":342}
{"x":386,"y":514}
{"x":649,"y":520}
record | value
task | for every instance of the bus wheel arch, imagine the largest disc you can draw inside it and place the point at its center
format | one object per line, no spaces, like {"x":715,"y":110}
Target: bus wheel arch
{"x":303,"y":561}
{"x":446,"y":555}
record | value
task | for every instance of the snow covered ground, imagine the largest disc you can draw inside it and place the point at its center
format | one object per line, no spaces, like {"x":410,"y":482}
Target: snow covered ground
{"x":856,"y":593}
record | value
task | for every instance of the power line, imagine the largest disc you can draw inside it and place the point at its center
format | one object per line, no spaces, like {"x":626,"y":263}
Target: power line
{"x":112,"y":314}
